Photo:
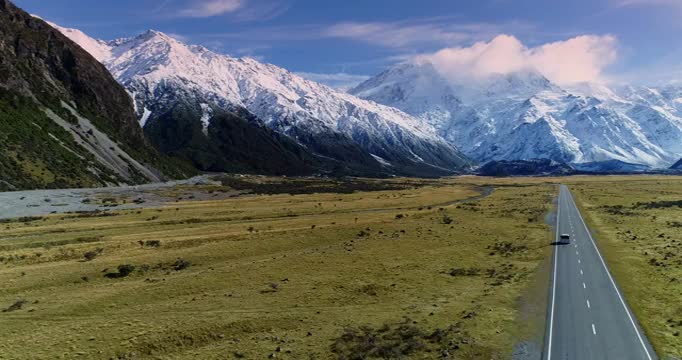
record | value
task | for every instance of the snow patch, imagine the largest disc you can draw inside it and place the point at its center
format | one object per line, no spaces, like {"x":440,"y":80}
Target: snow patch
{"x":382,"y":161}
{"x":206,"y":114}
{"x":145,"y":117}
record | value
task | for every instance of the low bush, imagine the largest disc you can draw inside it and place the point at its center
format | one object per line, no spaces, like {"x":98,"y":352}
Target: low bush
{"x":397,"y":341}
{"x":150,"y":243}
{"x":181,"y":264}
{"x":91,"y":255}
{"x":464,"y":272}
{"x":18,"y":305}
{"x":123,"y":271}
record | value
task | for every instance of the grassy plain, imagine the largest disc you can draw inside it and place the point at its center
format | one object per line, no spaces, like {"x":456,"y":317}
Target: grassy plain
{"x":638,"y":226}
{"x":312,"y":276}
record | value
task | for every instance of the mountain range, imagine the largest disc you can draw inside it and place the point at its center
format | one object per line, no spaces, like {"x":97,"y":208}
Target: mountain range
{"x":413,"y":119}
{"x":334,"y":127}
{"x":77,"y":111}
{"x":523,"y":115}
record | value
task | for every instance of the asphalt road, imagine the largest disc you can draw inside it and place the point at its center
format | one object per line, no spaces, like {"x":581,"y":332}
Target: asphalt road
{"x":588,"y":317}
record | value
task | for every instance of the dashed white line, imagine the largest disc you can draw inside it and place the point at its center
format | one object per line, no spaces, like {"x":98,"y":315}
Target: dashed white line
{"x":588,"y":304}
{"x":581,"y":271}
{"x":584,"y":286}
{"x":594,"y":330}
{"x":578,"y":261}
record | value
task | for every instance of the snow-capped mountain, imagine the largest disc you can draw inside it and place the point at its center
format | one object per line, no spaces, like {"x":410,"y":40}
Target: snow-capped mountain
{"x":160,"y":71}
{"x":525,"y":116}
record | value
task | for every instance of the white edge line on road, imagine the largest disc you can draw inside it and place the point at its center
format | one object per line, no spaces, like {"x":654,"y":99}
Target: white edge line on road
{"x":556,"y":251}
{"x":620,"y":297}
{"x":594,"y":330}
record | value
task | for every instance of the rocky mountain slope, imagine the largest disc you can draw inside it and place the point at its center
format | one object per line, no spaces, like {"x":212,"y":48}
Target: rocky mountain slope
{"x":677,"y":165}
{"x":531,"y":167}
{"x":64,"y":120}
{"x":159,"y":71}
{"x":611,"y":167}
{"x":525,"y":116}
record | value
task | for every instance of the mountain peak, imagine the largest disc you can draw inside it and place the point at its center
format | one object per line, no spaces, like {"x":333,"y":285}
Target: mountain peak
{"x":523,"y":84}
{"x":155,"y":34}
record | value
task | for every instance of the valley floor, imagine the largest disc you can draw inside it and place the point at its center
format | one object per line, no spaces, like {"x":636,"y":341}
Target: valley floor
{"x":303,"y":276}
{"x":341,"y":270}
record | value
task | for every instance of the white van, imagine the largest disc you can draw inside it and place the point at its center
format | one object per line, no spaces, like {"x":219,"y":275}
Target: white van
{"x":565,"y":239}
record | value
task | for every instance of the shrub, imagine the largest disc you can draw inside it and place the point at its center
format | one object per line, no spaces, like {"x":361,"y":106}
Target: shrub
{"x":271,"y":288}
{"x":659,"y":204}
{"x":395,"y":341}
{"x":91,"y":255}
{"x":18,"y":305}
{"x":123,"y":271}
{"x":464,"y":272}
{"x":150,"y":243}
{"x":370,"y":289}
{"x":507,"y":249}
{"x":181,"y":264}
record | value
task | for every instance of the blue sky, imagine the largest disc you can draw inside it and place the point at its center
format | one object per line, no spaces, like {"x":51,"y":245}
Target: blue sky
{"x":362,"y":37}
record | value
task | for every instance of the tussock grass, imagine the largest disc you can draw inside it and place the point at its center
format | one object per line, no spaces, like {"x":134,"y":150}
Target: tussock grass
{"x":306,"y":276}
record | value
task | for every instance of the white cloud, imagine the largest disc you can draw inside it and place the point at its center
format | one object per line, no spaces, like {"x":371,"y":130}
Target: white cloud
{"x":582,"y":58}
{"x":340,"y":81}
{"x":416,"y":33}
{"x":394,"y":34}
{"x":209,"y":8}
{"x":623,"y":3}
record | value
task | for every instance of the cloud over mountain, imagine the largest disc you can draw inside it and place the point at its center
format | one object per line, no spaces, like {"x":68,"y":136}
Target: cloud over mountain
{"x":208,"y":8}
{"x":579,"y":59}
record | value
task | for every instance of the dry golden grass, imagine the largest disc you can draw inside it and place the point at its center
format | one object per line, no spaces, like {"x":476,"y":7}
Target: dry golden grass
{"x":278,"y":274}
